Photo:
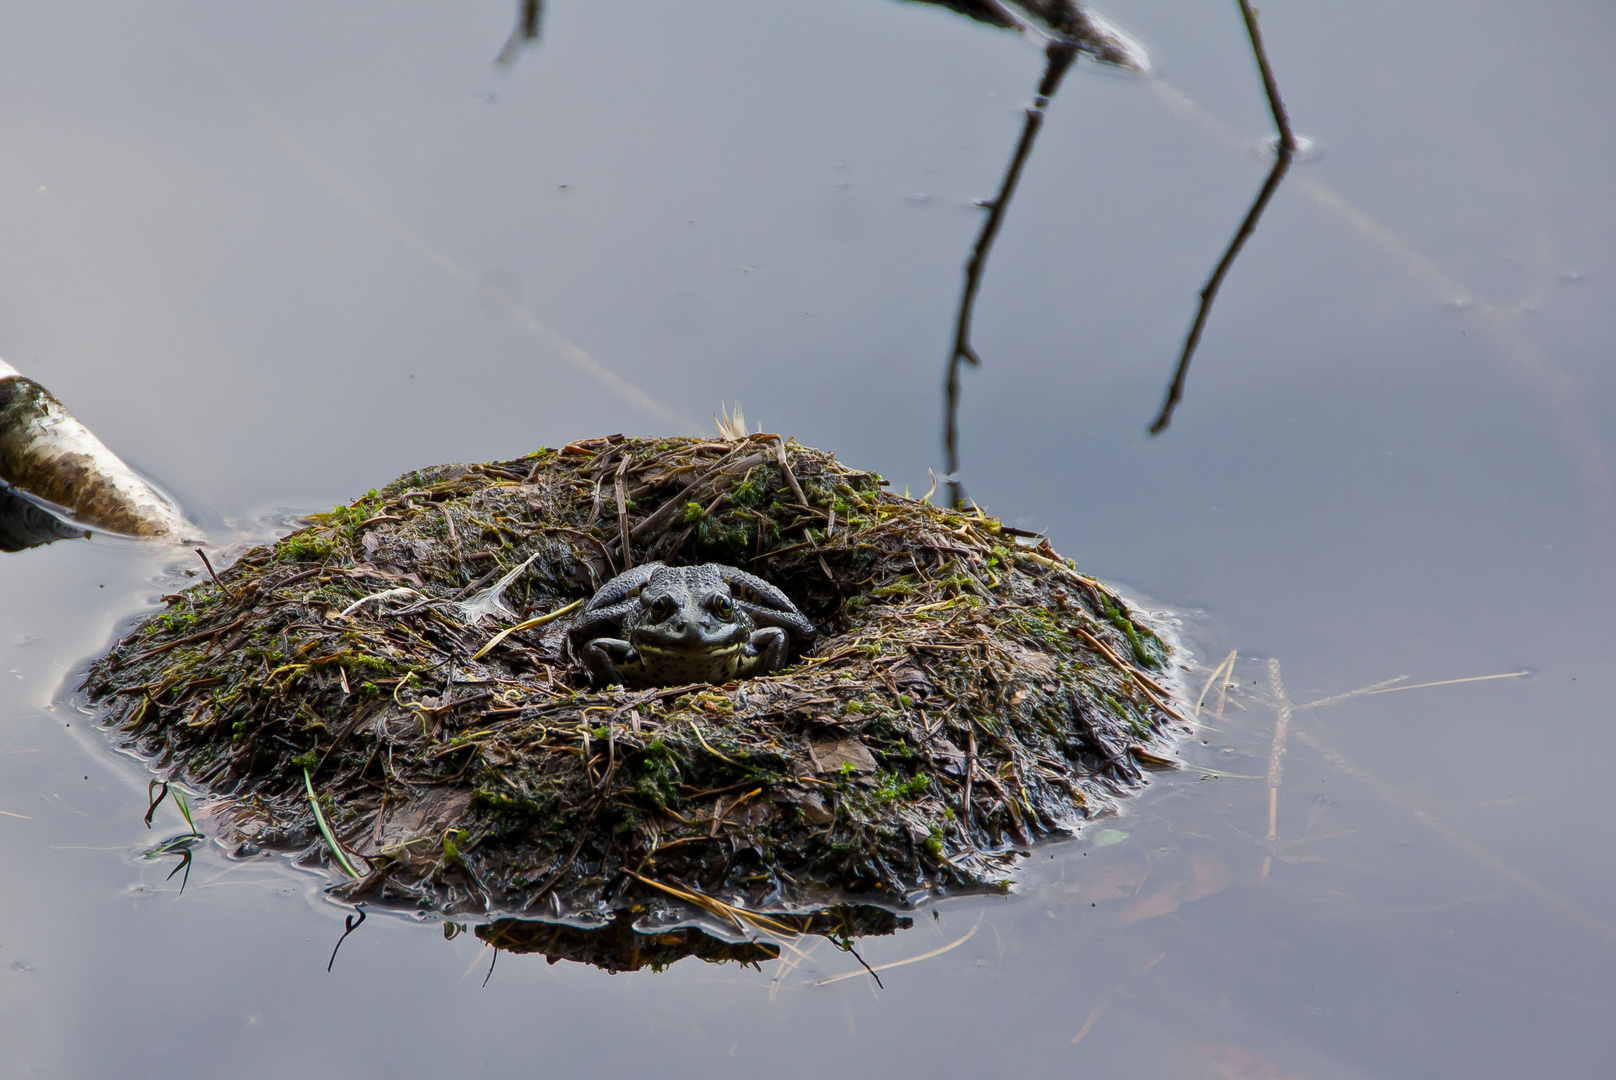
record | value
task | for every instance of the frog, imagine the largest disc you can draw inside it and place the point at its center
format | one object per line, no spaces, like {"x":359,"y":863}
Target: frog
{"x":659,"y":625}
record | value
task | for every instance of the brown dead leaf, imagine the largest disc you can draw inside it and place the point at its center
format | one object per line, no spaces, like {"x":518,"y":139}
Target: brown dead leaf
{"x":829,"y":757}
{"x":814,"y":810}
{"x":1109,"y":881}
{"x":424,"y":817}
{"x":1164,"y":901}
{"x":1208,"y":874}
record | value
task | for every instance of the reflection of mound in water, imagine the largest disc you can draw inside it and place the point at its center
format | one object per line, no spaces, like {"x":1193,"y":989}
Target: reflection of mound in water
{"x":969,"y":693}
{"x":627,"y":942}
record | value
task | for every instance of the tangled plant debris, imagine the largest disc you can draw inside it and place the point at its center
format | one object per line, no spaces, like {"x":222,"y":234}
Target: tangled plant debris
{"x":390,"y":689}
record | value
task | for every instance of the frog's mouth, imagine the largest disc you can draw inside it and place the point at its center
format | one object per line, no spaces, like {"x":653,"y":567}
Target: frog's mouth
{"x":694,"y":649}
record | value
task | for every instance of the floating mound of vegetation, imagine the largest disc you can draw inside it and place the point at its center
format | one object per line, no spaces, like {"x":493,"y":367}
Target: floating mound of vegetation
{"x":390,"y":687}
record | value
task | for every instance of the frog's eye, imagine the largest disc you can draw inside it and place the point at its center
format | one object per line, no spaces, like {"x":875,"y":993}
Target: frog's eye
{"x":722,"y":607}
{"x":661,"y":607}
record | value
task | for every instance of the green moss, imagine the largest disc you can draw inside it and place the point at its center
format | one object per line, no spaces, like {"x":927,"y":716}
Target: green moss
{"x":355,"y":663}
{"x":753,"y":489}
{"x":893,"y":787}
{"x":657,"y":782}
{"x":345,"y":518}
{"x":1148,"y":649}
{"x":306,"y":546}
{"x":177,"y":622}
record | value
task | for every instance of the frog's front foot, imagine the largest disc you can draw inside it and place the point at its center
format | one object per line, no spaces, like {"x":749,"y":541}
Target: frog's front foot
{"x":602,"y":655}
{"x":765,"y":651}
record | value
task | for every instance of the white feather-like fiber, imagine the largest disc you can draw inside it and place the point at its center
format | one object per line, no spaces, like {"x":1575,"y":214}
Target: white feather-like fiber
{"x":491,"y":601}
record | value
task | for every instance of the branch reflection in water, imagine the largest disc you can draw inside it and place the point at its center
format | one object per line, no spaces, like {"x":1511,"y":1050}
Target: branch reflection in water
{"x":529,"y":20}
{"x":1059,"y":56}
{"x":1070,"y":31}
{"x":1285,"y":150}
{"x":1065,"y":43}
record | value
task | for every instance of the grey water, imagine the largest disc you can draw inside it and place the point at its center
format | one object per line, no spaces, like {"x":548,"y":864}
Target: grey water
{"x":278,"y":254}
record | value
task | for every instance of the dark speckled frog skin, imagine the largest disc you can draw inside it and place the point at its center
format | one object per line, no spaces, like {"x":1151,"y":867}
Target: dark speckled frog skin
{"x":661,"y":625}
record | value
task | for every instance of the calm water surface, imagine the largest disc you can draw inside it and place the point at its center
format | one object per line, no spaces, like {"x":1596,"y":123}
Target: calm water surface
{"x":278,"y":256}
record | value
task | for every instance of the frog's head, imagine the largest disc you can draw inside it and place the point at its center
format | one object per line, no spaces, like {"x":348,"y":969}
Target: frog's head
{"x":687,"y":609}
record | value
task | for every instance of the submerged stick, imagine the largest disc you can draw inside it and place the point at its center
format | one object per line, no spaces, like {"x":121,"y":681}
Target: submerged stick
{"x":47,"y":453}
{"x":956,"y":943}
{"x":1472,"y":850}
{"x":1276,"y":759}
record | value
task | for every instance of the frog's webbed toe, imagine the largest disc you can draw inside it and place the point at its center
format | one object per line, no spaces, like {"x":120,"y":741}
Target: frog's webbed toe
{"x":602,"y":655}
{"x":766,"y":650}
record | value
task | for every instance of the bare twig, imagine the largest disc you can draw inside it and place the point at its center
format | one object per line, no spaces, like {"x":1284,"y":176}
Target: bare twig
{"x":785,"y":467}
{"x":622,"y":513}
{"x":222,"y":586}
{"x":956,"y":943}
{"x":1282,"y":120}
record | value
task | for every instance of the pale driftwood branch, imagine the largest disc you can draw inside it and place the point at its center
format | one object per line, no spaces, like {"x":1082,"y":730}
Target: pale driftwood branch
{"x":46,"y":453}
